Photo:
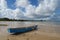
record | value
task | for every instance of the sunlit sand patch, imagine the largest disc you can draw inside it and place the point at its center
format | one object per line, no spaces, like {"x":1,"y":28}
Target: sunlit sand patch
{"x":3,"y":25}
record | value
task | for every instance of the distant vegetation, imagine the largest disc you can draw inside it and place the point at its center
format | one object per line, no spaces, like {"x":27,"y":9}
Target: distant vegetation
{"x":7,"y":19}
{"x":4,"y":19}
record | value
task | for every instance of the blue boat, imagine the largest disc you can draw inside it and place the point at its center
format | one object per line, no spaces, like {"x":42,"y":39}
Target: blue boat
{"x":22,"y":30}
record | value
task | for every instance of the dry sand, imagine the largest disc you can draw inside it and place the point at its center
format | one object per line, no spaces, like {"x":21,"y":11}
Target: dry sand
{"x":46,"y":31}
{"x":32,"y":36}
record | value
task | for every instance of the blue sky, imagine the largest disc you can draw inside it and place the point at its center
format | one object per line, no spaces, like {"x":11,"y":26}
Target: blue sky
{"x":11,"y":2}
{"x":31,"y":9}
{"x":34,"y":2}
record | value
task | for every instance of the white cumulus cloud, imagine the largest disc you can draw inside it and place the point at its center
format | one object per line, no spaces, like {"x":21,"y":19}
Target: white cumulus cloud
{"x":45,"y":10}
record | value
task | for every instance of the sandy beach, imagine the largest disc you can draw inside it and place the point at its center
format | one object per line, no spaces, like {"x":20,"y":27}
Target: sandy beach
{"x":46,"y":31}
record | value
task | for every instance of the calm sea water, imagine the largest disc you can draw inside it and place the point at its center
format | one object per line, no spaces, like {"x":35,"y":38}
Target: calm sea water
{"x":51,"y":27}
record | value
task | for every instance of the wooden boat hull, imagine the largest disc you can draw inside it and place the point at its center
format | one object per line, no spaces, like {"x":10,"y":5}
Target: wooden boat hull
{"x":21,"y":30}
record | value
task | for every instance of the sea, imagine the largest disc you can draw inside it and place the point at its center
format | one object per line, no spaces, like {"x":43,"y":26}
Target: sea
{"x":49,"y":27}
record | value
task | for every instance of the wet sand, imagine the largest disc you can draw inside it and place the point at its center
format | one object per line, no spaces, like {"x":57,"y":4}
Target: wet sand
{"x":46,"y":31}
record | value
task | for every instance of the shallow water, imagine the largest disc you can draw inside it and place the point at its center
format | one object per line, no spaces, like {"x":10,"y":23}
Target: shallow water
{"x":44,"y":27}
